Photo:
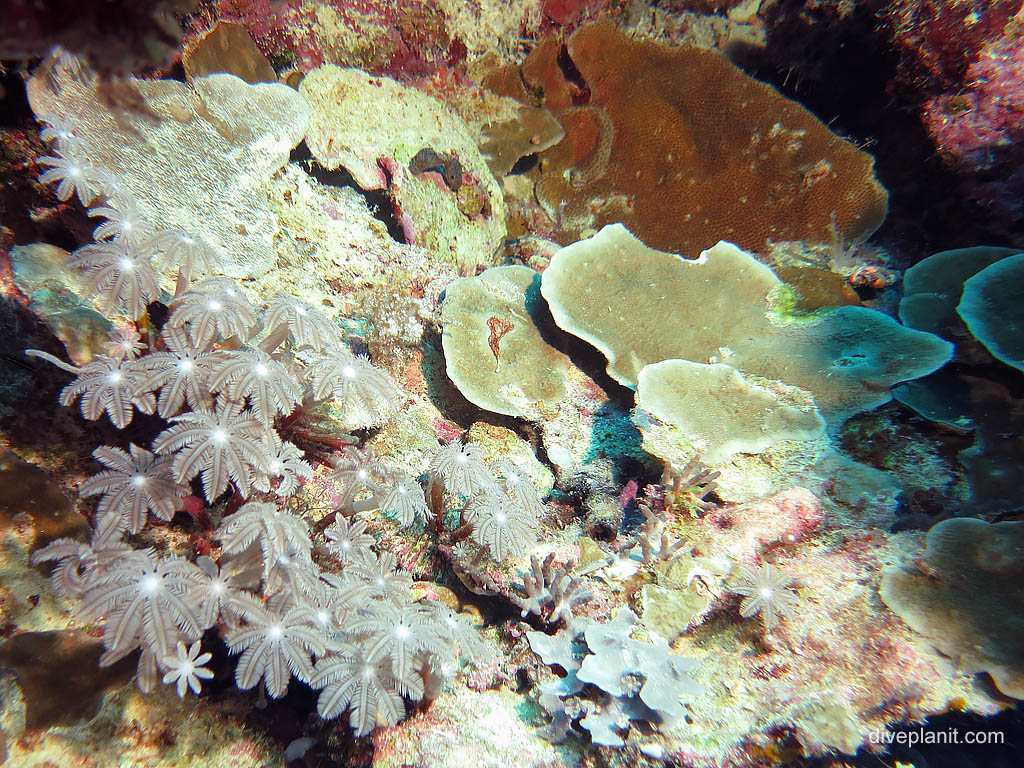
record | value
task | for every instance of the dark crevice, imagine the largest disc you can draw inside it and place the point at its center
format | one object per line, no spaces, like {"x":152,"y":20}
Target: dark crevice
{"x":580,"y":89}
{"x":177,"y":72}
{"x":846,"y":70}
{"x":30,"y":211}
{"x":377,"y":200}
{"x":14,"y":106}
{"x":524,"y":164}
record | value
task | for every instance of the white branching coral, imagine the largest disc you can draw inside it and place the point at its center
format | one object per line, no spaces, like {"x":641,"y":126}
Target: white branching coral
{"x":123,"y":223}
{"x":399,"y":632}
{"x":288,"y":316}
{"x":546,"y":586}
{"x":276,"y":532}
{"x":519,"y":488}
{"x":144,"y":598}
{"x":383,"y":576}
{"x":349,"y":680}
{"x":285,"y":464}
{"x":77,"y":562}
{"x":74,"y":177}
{"x":357,"y":471}
{"x":125,"y":344}
{"x":348,"y":540}
{"x":355,"y":631}
{"x":174,"y":248}
{"x":59,"y":131}
{"x":402,"y":499}
{"x":499,"y":524}
{"x":179,"y":373}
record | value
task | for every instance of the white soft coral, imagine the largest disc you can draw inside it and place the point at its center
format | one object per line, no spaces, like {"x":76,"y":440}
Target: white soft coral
{"x":766,"y":590}
{"x":186,"y":668}
{"x":74,"y":176}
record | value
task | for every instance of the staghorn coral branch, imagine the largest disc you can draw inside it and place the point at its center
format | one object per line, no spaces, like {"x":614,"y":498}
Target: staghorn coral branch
{"x":694,"y":478}
{"x":655,"y":541}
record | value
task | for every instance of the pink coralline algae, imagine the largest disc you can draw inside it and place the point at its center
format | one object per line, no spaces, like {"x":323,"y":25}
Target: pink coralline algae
{"x":980,"y":130}
{"x":409,"y":38}
{"x":941,"y":38}
{"x":978,"y":124}
{"x":778,"y":521}
{"x":277,"y":26}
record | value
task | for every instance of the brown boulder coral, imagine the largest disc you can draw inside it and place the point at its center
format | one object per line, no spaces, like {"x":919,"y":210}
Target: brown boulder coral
{"x":685,"y":149}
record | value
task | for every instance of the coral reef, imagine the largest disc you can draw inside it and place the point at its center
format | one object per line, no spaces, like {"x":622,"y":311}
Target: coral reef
{"x":227,"y":48}
{"x":329,"y":488}
{"x":408,"y":38}
{"x":933,"y":287}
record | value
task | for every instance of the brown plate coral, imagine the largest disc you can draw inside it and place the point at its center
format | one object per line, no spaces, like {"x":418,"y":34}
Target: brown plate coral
{"x":685,"y":149}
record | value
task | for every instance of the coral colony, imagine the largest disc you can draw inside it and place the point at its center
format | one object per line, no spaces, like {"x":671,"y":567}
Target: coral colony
{"x":508,"y":384}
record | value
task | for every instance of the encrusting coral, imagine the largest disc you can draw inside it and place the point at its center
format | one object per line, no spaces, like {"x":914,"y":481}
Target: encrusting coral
{"x":684,"y":149}
{"x":210,"y":145}
{"x":493,"y":350}
{"x":722,"y":410}
{"x":992,"y":309}
{"x":464,"y":220}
